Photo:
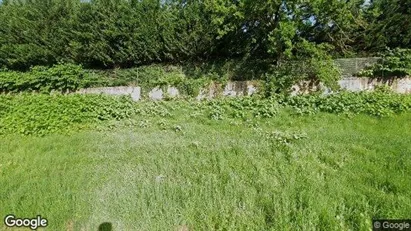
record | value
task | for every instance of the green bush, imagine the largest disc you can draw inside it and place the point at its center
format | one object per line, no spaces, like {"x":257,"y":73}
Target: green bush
{"x":394,"y":63}
{"x":377,"y":103}
{"x":311,"y":63}
{"x":60,"y":77}
{"x":40,"y":114}
{"x":148,"y":77}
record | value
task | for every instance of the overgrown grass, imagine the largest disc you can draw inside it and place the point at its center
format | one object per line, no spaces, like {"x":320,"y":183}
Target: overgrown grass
{"x":174,"y":165}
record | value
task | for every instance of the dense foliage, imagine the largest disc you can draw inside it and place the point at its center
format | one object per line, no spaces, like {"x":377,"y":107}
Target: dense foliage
{"x":61,"y":77}
{"x":386,"y":24}
{"x":372,"y":103}
{"x":393,"y":63}
{"x":120,"y":33}
{"x":67,"y":78}
{"x":42,"y":114}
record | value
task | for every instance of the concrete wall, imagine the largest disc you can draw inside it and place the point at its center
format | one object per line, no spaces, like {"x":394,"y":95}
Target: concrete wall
{"x":134,"y":92}
{"x":158,"y":94}
{"x":399,"y":85}
{"x":247,"y":88}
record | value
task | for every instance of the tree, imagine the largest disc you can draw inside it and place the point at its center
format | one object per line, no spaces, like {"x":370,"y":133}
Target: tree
{"x":389,"y":24}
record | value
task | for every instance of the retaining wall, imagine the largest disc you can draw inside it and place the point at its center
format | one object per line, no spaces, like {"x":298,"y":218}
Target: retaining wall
{"x":133,"y":92}
{"x":399,"y":85}
{"x":247,"y":88}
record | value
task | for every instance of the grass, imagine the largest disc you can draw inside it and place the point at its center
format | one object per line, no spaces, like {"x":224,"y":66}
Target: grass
{"x":185,"y":171}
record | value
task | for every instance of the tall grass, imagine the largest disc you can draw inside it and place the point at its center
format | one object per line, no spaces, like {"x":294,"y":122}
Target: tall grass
{"x":184,"y":171}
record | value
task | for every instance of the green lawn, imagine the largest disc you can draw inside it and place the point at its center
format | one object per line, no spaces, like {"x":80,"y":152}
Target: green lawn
{"x":213,"y":175}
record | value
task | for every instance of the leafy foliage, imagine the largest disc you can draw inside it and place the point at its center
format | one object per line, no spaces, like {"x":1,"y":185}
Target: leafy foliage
{"x":60,"y":77}
{"x":394,"y":63}
{"x":151,"y":76}
{"x":84,"y":32}
{"x":41,"y":114}
{"x":267,"y":36}
{"x":151,"y":31}
{"x":311,"y":63}
{"x":372,"y":103}
{"x":388,"y":25}
{"x":240,"y":108}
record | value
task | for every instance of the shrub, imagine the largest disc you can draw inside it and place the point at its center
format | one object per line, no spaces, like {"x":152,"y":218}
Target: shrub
{"x":41,"y":114}
{"x":60,"y":77}
{"x":394,"y":63}
{"x":377,"y":103}
{"x":310,"y":63}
